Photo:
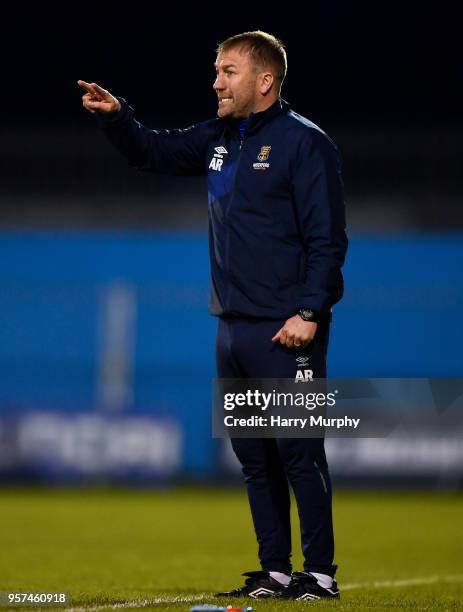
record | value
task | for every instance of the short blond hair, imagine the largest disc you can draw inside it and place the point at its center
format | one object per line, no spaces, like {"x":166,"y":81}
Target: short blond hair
{"x":265,"y":50}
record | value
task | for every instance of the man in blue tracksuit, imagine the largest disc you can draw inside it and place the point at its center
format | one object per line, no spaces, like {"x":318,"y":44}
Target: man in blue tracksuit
{"x":277,"y":245}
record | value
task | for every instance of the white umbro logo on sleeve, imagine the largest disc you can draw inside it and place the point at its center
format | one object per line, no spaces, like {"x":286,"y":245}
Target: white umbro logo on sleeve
{"x":217,"y":160}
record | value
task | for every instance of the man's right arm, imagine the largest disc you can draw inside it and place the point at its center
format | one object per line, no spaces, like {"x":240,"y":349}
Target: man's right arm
{"x":177,"y":152}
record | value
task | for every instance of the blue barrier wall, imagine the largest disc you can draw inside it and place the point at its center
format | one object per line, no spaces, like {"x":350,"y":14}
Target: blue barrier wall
{"x":112,"y":330}
{"x":401,"y":315}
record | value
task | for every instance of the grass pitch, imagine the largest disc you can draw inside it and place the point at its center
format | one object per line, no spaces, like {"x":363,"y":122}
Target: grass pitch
{"x":167,"y":550}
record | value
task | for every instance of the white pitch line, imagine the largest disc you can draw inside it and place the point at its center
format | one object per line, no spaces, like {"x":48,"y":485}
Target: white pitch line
{"x":398,"y":583}
{"x":144,"y":603}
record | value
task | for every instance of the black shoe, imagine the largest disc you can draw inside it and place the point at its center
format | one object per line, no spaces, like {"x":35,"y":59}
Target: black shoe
{"x":305,"y":586}
{"x":258,"y":585}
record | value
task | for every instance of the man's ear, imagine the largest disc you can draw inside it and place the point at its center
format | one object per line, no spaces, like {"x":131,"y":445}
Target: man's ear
{"x":266,"y":82}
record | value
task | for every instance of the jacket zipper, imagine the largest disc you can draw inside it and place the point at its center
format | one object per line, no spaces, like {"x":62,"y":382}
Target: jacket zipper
{"x":237,"y":166}
{"x":227,"y":252}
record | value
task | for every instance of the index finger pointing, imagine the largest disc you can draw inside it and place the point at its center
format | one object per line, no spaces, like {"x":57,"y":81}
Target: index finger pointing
{"x":85,"y":86}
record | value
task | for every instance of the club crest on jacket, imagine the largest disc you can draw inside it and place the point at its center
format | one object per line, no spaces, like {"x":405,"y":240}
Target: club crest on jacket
{"x":264,"y":153}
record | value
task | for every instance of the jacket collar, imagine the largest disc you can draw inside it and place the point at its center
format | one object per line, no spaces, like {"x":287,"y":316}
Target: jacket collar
{"x":257,"y":120}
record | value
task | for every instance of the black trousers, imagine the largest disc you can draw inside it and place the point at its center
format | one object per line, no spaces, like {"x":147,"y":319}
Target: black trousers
{"x":244,"y":350}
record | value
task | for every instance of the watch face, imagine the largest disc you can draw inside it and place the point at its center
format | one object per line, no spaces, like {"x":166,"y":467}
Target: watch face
{"x":307,"y":314}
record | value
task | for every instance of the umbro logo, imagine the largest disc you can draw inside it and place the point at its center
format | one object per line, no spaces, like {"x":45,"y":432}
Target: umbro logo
{"x":261,"y":592}
{"x":307,"y":596}
{"x":304,"y":375}
{"x":217,"y":160}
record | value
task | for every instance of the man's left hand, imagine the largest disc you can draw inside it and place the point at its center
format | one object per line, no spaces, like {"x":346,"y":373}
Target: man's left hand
{"x":296,"y":333}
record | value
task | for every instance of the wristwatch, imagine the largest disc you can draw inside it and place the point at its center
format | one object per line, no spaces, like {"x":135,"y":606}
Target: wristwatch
{"x":307,"y":314}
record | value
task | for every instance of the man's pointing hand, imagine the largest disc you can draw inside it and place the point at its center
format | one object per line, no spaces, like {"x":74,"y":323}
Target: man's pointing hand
{"x":98,"y":100}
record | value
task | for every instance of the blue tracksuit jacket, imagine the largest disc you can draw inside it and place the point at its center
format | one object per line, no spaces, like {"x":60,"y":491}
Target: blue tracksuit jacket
{"x":276,"y":208}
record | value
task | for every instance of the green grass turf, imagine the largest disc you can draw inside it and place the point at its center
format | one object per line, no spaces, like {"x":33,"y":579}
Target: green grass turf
{"x":108,"y":547}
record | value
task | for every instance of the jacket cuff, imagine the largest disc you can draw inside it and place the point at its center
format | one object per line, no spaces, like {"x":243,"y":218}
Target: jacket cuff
{"x":122,"y":115}
{"x":320,"y":302}
{"x":324,"y":315}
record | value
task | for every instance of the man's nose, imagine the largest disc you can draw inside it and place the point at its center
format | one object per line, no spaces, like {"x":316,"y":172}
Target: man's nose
{"x":217,"y":83}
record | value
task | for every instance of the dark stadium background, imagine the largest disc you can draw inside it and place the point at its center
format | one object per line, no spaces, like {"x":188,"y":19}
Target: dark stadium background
{"x":104,"y":270}
{"x":383,"y":79}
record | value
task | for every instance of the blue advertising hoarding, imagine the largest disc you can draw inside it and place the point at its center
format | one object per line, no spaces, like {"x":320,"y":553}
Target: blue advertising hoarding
{"x":107,"y":348}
